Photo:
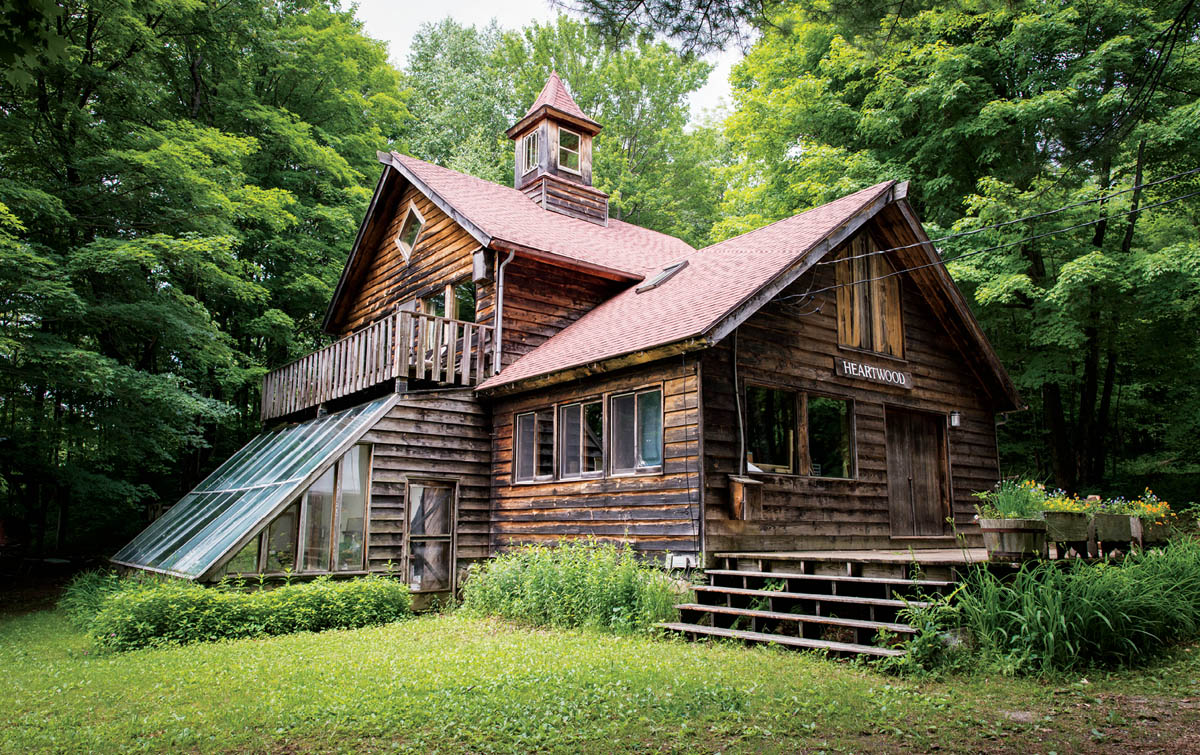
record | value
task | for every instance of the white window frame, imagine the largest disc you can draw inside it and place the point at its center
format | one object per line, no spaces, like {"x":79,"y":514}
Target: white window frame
{"x":529,"y":152}
{"x":518,"y":449}
{"x":577,"y":152}
{"x":406,"y":250}
{"x":611,"y":429}
{"x":560,"y":453}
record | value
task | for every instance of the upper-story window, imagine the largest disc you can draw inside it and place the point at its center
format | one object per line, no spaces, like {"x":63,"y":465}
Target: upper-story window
{"x":410,"y":231}
{"x":529,"y":152}
{"x":868,"y":300}
{"x":568,"y":150}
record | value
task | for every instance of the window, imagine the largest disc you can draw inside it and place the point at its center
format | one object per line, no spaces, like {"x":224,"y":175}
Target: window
{"x":770,"y":430}
{"x":636,"y":432}
{"x":534,"y":452}
{"x":281,"y":541}
{"x":354,"y":479}
{"x":662,"y":276}
{"x":529,"y":152}
{"x":464,"y":301}
{"x":430,"y":535}
{"x":580,"y":444}
{"x":434,"y":304}
{"x":410,"y":231}
{"x":830,"y":437}
{"x":318,"y":523}
{"x":328,"y":523}
{"x":868,"y":299}
{"x":568,"y":150}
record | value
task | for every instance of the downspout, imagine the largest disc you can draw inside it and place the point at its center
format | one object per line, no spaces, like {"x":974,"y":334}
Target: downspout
{"x":500,"y":310}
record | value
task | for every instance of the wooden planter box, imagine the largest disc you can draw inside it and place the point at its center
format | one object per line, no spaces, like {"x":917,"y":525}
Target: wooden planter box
{"x":1066,"y":526}
{"x":1113,"y":528}
{"x":1150,"y":532}
{"x":1014,"y":539}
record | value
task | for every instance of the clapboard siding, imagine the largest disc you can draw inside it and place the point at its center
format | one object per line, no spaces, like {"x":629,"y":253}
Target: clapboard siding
{"x":793,"y":345}
{"x":385,"y":279}
{"x":440,"y":434}
{"x":652,"y":512}
{"x":540,"y":300}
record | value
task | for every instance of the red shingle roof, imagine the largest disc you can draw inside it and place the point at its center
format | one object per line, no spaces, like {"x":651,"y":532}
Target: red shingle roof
{"x":716,"y":280}
{"x":555,"y":95}
{"x":506,"y":214}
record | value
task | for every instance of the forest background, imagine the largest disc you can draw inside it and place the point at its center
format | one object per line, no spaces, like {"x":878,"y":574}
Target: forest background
{"x":181,"y":181}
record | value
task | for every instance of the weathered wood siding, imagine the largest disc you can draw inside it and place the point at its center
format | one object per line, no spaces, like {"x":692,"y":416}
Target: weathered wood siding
{"x":793,"y":345}
{"x":541,"y":299}
{"x":385,"y":279}
{"x":438,"y":434}
{"x":653,"y":512}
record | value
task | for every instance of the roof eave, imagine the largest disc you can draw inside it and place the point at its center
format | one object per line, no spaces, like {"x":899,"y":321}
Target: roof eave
{"x":548,"y":110}
{"x":587,"y":369}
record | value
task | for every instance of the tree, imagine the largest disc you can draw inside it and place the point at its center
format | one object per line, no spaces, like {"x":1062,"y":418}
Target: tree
{"x":997,"y":111}
{"x":181,"y":187}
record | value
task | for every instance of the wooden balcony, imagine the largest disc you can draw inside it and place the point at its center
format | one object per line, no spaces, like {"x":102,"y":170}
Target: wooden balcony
{"x":403,"y":345}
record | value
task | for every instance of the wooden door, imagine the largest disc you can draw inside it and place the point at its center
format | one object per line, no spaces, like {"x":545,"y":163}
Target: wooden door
{"x":916,"y":459}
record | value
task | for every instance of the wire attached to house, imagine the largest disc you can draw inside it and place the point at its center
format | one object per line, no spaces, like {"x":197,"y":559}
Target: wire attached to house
{"x":977,"y":252}
{"x":1025,"y":219}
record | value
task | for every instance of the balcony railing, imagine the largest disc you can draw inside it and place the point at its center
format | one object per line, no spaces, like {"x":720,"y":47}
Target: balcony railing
{"x":403,"y":345}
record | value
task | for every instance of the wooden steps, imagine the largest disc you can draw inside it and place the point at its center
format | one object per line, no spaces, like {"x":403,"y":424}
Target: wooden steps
{"x":688,"y":608}
{"x":778,"y":639}
{"x":824,"y":609}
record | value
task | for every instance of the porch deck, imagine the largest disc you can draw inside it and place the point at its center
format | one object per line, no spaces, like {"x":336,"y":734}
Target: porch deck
{"x":937,"y":563}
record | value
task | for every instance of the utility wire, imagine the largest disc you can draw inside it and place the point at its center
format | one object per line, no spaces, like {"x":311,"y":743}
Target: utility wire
{"x":988,"y":249}
{"x":1005,"y":223}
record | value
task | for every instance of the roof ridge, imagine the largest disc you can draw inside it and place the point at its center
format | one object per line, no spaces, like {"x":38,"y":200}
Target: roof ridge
{"x":798,"y":215}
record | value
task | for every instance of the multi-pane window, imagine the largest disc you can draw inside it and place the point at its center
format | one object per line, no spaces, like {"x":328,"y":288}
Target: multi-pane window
{"x":581,"y":439}
{"x":868,"y":299}
{"x":529,"y":152}
{"x":534,"y":446}
{"x":830,"y":437}
{"x":771,"y":429}
{"x":323,"y":530}
{"x":410,"y":231}
{"x":622,"y":434}
{"x":464,"y":301}
{"x":568,"y":150}
{"x":635,"y":435}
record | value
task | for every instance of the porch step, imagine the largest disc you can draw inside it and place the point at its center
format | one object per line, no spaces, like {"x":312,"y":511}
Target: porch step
{"x":845,"y":648}
{"x":802,"y":618}
{"x":929,"y":584}
{"x":809,"y":596}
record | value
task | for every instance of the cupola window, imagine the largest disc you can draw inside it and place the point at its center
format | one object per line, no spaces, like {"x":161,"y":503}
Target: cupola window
{"x":568,"y":150}
{"x":529,"y":152}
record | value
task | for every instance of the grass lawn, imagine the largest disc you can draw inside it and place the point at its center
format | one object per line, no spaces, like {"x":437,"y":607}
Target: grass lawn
{"x":450,"y":683}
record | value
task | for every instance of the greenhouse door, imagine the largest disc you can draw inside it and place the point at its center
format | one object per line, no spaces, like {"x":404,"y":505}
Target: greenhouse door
{"x":430,"y":535}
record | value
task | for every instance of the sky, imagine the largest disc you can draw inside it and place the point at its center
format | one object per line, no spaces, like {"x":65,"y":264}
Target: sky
{"x":396,"y":21}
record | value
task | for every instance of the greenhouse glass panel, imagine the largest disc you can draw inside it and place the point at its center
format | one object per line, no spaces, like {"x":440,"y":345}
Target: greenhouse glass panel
{"x":245,"y":492}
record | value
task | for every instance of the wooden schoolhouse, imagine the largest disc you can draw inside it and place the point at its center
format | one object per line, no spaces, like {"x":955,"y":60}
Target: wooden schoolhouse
{"x":512,"y":365}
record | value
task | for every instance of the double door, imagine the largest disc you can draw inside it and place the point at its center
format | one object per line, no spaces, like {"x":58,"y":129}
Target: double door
{"x":918,"y":487}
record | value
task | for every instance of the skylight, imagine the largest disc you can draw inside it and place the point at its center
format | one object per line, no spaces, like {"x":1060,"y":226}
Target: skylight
{"x":662,"y":276}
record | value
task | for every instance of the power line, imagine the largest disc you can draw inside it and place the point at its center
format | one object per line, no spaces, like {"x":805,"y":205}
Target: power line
{"x":1038,"y":216}
{"x":982,"y":251}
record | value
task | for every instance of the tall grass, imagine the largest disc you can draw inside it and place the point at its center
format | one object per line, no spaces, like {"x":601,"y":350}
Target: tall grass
{"x":575,"y":584}
{"x":1049,"y":618}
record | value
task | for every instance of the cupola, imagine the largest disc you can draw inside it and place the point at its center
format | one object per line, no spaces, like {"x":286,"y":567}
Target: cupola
{"x":553,"y":153}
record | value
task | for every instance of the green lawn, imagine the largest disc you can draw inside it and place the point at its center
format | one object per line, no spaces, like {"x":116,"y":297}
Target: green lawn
{"x":449,"y":683}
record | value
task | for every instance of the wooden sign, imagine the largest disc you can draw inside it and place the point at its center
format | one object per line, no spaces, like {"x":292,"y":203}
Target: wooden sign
{"x":881,"y":375}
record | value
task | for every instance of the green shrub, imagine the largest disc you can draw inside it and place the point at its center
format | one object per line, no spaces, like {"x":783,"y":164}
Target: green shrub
{"x":179,"y":612}
{"x":1049,"y":618}
{"x":86,"y":593}
{"x":576,"y":584}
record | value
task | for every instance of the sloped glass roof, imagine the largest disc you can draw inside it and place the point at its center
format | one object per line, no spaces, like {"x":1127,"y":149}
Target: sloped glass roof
{"x":245,"y":492}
